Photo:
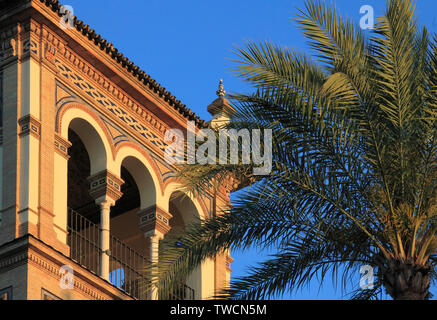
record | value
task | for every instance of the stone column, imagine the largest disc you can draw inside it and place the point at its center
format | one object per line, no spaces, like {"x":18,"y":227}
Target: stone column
{"x":105,"y":218}
{"x":105,"y":189}
{"x":154,"y":238}
{"x":155,"y":223}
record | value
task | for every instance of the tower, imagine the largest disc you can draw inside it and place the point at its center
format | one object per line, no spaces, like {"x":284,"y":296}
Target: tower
{"x":85,"y":193}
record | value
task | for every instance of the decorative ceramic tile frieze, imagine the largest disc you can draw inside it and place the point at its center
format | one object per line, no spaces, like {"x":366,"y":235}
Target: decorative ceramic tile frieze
{"x":109,"y":105}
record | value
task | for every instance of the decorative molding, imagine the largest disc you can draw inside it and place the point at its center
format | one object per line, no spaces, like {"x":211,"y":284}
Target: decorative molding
{"x":30,"y":45}
{"x":66,"y":98}
{"x":19,"y":41}
{"x":117,"y":135}
{"x":35,"y":28}
{"x":154,"y":218}
{"x":55,"y":47}
{"x":62,"y":146}
{"x":148,"y":84}
{"x":49,"y":52}
{"x":111,"y":105}
{"x":52,"y":44}
{"x":8,"y":32}
{"x":228,"y":261}
{"x":32,"y":251}
{"x":7,"y":50}
{"x":165,"y":170}
{"x":13,"y":260}
{"x":53,"y":270}
{"x":30,"y":125}
{"x":105,"y":183}
{"x":8,"y":42}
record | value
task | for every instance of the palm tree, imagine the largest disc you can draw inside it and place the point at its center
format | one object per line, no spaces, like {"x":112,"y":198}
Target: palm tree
{"x":354,"y":175}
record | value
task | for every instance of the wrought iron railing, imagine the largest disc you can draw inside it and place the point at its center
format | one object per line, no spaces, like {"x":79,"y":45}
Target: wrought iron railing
{"x":84,"y":241}
{"x":126,"y":265}
{"x":184,"y":292}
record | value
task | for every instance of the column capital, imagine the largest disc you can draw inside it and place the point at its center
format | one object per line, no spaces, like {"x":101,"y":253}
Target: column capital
{"x":62,"y":145}
{"x":105,"y":186}
{"x":30,"y":125}
{"x":154,"y":221}
{"x":154,"y":235}
{"x":105,"y":203}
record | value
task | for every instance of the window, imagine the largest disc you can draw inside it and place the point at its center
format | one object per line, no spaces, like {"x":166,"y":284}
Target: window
{"x":6,"y":294}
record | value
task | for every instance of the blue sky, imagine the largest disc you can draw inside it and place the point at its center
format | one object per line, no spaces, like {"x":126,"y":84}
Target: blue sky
{"x":187,"y":45}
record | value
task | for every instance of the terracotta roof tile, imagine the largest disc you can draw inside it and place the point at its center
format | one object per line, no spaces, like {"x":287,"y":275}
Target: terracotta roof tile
{"x":108,"y":47}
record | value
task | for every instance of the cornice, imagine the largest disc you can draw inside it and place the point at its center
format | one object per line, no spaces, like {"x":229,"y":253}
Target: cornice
{"x":8,"y":43}
{"x":101,"y":44}
{"x":29,"y":250}
{"x":57,"y":47}
{"x":53,"y":269}
{"x":30,"y":125}
{"x":62,"y":146}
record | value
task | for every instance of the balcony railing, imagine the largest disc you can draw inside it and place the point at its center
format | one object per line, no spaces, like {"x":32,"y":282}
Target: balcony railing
{"x":84,"y":241}
{"x":184,"y":292}
{"x":126,"y":265}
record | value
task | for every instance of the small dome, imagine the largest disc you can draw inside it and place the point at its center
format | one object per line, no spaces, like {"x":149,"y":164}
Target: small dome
{"x":221,"y":103}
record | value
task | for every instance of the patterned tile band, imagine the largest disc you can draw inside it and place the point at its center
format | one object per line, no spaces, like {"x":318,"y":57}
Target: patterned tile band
{"x":109,"y":105}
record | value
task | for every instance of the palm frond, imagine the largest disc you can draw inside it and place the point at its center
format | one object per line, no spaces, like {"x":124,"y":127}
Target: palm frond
{"x":354,"y":159}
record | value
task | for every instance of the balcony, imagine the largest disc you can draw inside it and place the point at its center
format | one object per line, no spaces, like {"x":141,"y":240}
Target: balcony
{"x":126,"y":265}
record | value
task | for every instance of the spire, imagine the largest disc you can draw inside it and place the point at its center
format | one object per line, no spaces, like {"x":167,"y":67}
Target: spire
{"x":221,"y":91}
{"x":220,"y":108}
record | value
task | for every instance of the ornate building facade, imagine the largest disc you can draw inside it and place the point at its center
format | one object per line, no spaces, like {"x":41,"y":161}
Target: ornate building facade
{"x":85,"y":193}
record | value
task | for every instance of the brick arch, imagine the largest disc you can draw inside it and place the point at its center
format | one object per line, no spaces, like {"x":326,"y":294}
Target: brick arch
{"x":128,"y":150}
{"x":94,"y":128}
{"x":184,"y":209}
{"x":176,"y":186}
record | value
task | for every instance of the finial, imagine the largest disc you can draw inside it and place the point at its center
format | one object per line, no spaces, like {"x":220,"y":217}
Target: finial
{"x":221,"y":91}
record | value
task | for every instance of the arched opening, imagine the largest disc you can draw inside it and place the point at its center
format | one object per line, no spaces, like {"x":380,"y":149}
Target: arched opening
{"x":124,"y":218}
{"x":184,"y":212}
{"x":127,"y":244}
{"x":138,"y":193}
{"x":88,"y":153}
{"x":143,"y":179}
{"x":87,"y":156}
{"x":79,"y":198}
{"x":92,"y":142}
{"x":130,"y":248}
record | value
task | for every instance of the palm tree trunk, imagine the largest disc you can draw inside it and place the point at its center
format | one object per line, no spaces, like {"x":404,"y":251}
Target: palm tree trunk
{"x":406,"y":281}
